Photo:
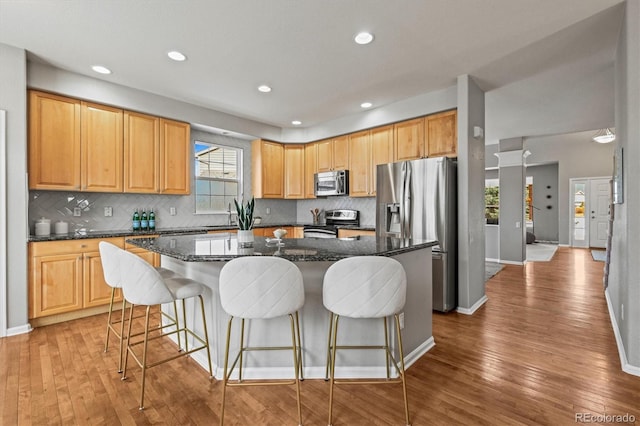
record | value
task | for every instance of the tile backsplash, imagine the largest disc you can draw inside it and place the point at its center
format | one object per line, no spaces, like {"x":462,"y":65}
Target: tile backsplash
{"x":60,"y":205}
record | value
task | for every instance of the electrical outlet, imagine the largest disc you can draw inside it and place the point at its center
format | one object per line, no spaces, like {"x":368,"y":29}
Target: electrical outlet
{"x":268,"y":210}
{"x":401,"y":319}
{"x":108,"y":211}
{"x":77,"y":211}
{"x":172,"y":211}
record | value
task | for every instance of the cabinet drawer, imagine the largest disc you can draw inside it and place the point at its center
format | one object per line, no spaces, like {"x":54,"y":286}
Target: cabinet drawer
{"x":46,"y":248}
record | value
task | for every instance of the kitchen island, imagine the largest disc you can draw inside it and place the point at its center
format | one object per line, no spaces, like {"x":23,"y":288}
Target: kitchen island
{"x":202,"y":256}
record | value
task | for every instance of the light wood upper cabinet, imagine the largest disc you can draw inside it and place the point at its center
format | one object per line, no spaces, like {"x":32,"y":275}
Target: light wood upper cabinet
{"x":101,"y":148}
{"x":141,"y":153}
{"x":409,"y":139}
{"x":310,"y":169}
{"x":360,"y":164}
{"x":341,"y":153}
{"x":175,"y":157}
{"x":367,"y":149}
{"x":381,"y":152}
{"x":74,"y":145}
{"x":294,"y":169}
{"x":333,"y":154}
{"x":267,"y":169}
{"x":54,"y":142}
{"x":441,"y":134}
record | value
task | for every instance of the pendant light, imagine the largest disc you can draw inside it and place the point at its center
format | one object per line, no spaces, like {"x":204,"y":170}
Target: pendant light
{"x":604,"y":136}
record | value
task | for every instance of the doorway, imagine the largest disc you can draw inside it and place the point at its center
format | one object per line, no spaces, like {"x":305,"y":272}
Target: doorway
{"x":589,"y":209}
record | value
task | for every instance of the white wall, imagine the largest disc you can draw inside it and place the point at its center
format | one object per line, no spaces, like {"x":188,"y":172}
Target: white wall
{"x":13,"y":99}
{"x":624,"y":276}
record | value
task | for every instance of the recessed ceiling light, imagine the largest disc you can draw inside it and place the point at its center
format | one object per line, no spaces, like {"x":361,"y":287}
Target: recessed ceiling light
{"x":264,"y":88}
{"x":176,"y":56}
{"x":364,"y":38}
{"x":101,"y":69}
{"x":296,"y":122}
{"x":366,"y":105}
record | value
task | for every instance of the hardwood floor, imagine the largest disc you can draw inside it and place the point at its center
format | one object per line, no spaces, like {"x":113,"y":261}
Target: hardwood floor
{"x":541,"y":350}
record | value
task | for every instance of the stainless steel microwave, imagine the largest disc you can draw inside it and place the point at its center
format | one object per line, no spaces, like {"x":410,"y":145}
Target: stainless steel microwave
{"x":331,"y":183}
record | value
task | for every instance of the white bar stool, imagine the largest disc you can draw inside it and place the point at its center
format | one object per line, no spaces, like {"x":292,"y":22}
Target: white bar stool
{"x":365,"y":287}
{"x":261,"y":288}
{"x":111,"y":272}
{"x":143,"y":285}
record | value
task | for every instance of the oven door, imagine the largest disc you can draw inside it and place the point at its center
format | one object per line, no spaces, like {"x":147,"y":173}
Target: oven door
{"x":320,"y":233}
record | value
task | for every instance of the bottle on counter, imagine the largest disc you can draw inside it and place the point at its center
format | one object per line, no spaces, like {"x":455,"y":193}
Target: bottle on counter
{"x":136,"y":221}
{"x":152,"y":221}
{"x":144,"y":222}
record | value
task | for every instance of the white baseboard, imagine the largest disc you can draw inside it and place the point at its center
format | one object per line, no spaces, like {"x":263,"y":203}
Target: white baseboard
{"x":490,"y":259}
{"x":14,"y":331}
{"x":511,"y":262}
{"x":626,"y":367}
{"x":474,"y":308}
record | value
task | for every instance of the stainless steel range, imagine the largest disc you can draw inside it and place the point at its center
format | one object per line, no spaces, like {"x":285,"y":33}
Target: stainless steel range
{"x":334,"y":218}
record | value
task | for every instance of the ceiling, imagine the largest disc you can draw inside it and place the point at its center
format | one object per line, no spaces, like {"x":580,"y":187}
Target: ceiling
{"x":304,"y":49}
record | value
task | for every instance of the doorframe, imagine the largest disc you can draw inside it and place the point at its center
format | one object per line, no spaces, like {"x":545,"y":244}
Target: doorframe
{"x":587,"y":208}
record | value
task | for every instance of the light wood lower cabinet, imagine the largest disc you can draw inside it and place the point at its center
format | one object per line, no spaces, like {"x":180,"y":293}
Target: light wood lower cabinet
{"x":66,"y":276}
{"x":149,"y":256}
{"x":344,"y":233}
{"x":268,"y":232}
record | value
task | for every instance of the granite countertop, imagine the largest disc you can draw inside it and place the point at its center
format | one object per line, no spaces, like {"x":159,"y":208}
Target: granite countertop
{"x":223,"y":247}
{"x":77,"y":235}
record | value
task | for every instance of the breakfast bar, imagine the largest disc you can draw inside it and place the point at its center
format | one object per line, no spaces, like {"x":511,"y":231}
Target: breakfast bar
{"x":202,"y":256}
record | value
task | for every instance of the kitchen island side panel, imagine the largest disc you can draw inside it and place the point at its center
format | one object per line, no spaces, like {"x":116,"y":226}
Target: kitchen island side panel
{"x":314,"y":321}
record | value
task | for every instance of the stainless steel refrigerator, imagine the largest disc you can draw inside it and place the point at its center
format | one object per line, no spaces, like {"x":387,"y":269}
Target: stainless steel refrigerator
{"x":418,"y":199}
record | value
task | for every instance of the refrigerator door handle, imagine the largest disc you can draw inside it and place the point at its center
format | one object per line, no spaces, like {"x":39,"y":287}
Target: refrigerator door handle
{"x":406,"y":200}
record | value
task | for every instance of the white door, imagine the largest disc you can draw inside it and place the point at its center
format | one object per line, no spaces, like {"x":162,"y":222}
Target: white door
{"x":599,"y":200}
{"x":579,"y":229}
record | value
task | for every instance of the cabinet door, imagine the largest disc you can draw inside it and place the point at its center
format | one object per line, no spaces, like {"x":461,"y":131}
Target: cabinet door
{"x":294,"y":183}
{"x":151,"y":257}
{"x":56,"y":284}
{"x":442,"y":134}
{"x":54,"y":142}
{"x":325,"y":155}
{"x":310,"y":168}
{"x":175,"y":157}
{"x":359,"y":164}
{"x":341,"y":153}
{"x":409,"y":139}
{"x":272,"y":170}
{"x":381,"y":152}
{"x":141,"y":153}
{"x":101,"y":147}
{"x":96,"y":291}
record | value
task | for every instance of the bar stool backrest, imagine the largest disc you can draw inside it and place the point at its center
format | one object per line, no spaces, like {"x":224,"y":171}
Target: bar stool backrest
{"x":110,"y":265}
{"x":365,"y":287}
{"x":261,"y":287}
{"x":142,"y":284}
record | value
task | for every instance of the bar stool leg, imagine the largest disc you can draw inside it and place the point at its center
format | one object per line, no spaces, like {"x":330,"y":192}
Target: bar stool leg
{"x":386,"y":346}
{"x":326,"y":371}
{"x":206,"y":336}
{"x":106,"y":341}
{"x":402,"y":371}
{"x":241,"y":350}
{"x":126,"y":357}
{"x":333,"y":367}
{"x":122,"y":337}
{"x":144,"y":356}
{"x":225,"y":377}
{"x":296,"y":354}
{"x":299,"y":346}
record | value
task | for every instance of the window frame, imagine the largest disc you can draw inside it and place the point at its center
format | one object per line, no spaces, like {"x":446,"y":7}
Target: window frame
{"x":239,"y":181}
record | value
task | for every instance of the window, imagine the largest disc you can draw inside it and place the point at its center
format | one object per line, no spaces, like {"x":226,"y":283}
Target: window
{"x":218,"y":177}
{"x":491,"y":201}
